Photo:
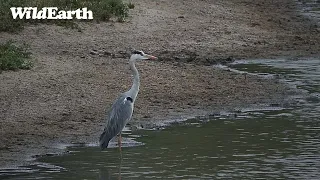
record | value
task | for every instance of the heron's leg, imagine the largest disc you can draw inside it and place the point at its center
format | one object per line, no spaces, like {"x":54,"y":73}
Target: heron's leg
{"x":119,"y":141}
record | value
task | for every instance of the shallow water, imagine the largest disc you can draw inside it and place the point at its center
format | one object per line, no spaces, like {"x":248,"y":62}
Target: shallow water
{"x":264,"y":144}
{"x":310,"y":9}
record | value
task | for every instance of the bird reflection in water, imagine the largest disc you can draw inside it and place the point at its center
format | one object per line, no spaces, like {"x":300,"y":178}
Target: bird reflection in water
{"x":105,"y":173}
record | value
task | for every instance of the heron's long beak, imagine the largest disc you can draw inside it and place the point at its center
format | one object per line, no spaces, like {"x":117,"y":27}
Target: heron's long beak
{"x":147,"y":56}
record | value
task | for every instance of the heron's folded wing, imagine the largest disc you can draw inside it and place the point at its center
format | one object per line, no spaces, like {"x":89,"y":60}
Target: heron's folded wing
{"x":121,"y":112}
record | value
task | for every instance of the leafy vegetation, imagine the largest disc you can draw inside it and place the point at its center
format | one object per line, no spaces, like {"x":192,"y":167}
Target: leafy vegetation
{"x":130,"y":5}
{"x":13,"y":57}
{"x":102,"y":10}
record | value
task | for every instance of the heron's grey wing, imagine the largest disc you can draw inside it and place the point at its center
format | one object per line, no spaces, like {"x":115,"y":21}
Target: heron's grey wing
{"x":120,"y":114}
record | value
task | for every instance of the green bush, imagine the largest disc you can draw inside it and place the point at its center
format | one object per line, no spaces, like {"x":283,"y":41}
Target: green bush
{"x":7,"y":23}
{"x":105,"y":9}
{"x":13,"y":57}
{"x":130,"y":5}
{"x":102,"y":10}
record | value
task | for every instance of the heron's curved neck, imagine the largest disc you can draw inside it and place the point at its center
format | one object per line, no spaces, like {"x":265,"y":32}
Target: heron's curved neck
{"x":136,"y":80}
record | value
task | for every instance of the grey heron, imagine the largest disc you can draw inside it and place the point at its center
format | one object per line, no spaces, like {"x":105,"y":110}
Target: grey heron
{"x":122,"y":109}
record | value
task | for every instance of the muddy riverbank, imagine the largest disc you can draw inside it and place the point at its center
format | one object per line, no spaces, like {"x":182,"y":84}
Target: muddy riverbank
{"x":63,"y":99}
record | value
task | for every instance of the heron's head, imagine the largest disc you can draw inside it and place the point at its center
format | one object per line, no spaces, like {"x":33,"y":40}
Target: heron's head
{"x":140,"y":55}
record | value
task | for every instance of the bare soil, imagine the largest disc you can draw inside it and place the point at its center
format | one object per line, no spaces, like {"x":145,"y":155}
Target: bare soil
{"x":77,"y":75}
